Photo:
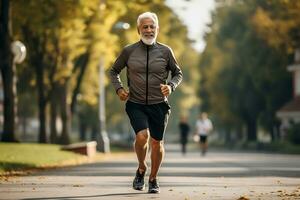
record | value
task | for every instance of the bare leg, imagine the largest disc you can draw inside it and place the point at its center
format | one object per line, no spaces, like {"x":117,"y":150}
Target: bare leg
{"x":141,"y":147}
{"x":157,"y":154}
{"x":203,"y":147}
{"x":200,"y":146}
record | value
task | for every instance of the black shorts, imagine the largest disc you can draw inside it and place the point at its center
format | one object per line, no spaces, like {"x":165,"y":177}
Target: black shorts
{"x":203,"y":138}
{"x":155,"y":117}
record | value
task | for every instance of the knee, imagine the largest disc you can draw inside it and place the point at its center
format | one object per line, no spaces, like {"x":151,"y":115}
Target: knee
{"x":142,"y":137}
{"x":156,"y":144}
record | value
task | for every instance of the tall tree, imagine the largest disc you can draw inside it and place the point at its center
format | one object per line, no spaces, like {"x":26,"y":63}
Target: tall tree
{"x":237,"y":65}
{"x":7,"y":72}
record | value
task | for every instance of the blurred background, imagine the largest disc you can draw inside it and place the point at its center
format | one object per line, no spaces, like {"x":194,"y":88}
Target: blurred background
{"x":240,"y":60}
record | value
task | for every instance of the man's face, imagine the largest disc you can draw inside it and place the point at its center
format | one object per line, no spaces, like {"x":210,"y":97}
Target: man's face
{"x":148,"y":31}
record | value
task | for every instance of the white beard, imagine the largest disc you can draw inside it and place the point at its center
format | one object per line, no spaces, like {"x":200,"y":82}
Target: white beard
{"x":148,"y":41}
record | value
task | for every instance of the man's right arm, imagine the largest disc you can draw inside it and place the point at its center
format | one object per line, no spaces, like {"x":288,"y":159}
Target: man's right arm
{"x":116,"y":69}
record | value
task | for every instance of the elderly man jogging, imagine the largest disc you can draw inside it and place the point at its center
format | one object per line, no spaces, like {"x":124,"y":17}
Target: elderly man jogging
{"x":148,"y":64}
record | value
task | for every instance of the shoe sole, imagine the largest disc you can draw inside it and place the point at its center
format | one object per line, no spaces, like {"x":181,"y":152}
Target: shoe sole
{"x":139,"y":188}
{"x":153,"y":191}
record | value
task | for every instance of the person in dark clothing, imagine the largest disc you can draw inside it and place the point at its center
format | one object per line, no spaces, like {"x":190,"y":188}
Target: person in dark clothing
{"x":184,"y":132}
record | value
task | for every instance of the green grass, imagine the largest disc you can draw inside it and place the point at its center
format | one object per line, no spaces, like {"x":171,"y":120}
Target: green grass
{"x":17,"y":156}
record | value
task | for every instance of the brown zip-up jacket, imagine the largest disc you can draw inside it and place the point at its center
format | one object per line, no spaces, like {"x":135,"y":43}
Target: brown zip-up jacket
{"x":148,"y":66}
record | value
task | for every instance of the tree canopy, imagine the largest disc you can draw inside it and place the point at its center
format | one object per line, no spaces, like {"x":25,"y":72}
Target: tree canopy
{"x":66,"y":41}
{"x":244,"y":77}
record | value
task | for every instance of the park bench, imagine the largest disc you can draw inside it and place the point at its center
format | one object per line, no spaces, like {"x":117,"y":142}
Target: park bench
{"x":85,"y":148}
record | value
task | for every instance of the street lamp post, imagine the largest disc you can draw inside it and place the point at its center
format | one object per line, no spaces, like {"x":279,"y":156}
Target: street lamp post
{"x":103,"y":140}
{"x":19,"y":51}
{"x":19,"y":54}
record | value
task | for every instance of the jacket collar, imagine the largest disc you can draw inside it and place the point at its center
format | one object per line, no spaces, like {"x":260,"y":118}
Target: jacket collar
{"x":150,"y":46}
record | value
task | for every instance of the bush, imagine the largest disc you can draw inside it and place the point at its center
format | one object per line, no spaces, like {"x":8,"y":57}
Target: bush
{"x":294,"y":134}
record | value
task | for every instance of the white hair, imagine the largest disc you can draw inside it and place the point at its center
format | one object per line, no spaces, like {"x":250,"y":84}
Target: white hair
{"x":150,"y":15}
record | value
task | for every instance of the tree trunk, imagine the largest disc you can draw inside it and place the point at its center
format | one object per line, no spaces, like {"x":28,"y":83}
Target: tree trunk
{"x":42,"y":101}
{"x":274,"y":130}
{"x":42,"y":119}
{"x":227,"y":135}
{"x":36,"y":60}
{"x":273,"y":134}
{"x":24,"y":127}
{"x":82,"y":131}
{"x":94,"y":132}
{"x":251,"y":130}
{"x":240,"y":134}
{"x":65,"y":114}
{"x":7,"y":72}
{"x":82,"y":64}
{"x":53,"y":116}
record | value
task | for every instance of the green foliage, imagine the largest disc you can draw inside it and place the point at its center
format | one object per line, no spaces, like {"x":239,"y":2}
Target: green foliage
{"x":58,"y":33}
{"x":278,"y":23}
{"x":244,"y":78}
{"x":294,"y":134}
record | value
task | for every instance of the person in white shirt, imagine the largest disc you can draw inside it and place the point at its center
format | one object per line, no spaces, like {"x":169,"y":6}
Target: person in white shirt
{"x":203,"y":128}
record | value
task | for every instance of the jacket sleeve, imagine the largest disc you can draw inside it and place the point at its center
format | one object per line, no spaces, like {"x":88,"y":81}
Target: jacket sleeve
{"x":116,"y":69}
{"x":176,"y":73}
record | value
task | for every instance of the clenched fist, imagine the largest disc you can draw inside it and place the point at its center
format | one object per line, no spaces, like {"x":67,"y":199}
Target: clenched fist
{"x":165,"y":89}
{"x":123,"y":94}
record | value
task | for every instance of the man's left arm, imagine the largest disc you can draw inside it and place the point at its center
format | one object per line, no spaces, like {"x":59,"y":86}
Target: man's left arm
{"x":176,"y":73}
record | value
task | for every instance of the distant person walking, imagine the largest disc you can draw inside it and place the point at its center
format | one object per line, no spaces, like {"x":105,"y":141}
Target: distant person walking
{"x":203,"y":128}
{"x":184,"y":129}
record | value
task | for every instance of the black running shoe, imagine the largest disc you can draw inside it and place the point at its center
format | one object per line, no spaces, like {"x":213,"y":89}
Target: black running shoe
{"x":153,"y":186}
{"x":138,"y":182}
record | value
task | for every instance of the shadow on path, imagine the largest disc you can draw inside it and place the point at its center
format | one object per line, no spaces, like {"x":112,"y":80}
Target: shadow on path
{"x":92,"y":196}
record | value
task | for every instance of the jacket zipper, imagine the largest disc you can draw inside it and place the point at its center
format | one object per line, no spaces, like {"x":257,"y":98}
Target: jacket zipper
{"x":147,"y":71}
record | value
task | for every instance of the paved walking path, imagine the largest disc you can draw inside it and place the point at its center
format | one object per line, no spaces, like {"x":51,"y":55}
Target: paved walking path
{"x":219,"y":175}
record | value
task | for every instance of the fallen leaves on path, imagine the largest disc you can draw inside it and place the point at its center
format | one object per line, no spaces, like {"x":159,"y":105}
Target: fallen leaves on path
{"x":77,"y":185}
{"x":283,"y":193}
{"x":243,"y":198}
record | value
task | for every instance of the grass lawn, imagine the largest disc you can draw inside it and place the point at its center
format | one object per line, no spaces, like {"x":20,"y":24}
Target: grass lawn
{"x":20,"y":156}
